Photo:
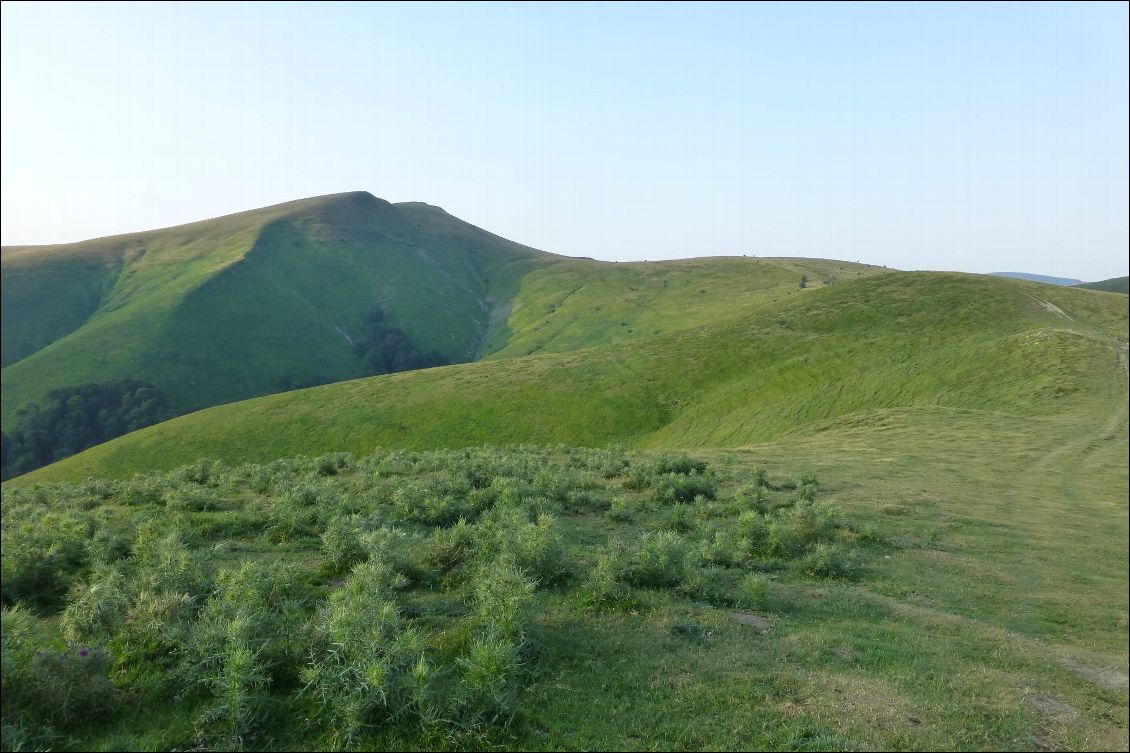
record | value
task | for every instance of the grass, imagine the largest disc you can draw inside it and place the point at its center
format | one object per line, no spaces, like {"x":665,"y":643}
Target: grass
{"x":579,"y":303}
{"x":230,"y":308}
{"x":241,"y":306}
{"x":990,"y":611}
{"x":901,"y":340}
{"x":972,"y":432}
{"x":330,"y":588}
{"x":1113,"y":285}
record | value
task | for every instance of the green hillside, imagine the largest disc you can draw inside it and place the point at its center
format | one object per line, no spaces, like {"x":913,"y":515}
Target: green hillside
{"x":313,"y":292}
{"x":1113,"y":285}
{"x":903,"y":340}
{"x":579,"y":303}
{"x":959,"y":582}
{"x":243,"y":305}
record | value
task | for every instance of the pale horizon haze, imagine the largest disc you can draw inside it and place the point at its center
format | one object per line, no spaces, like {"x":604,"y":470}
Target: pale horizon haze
{"x":968,"y":137}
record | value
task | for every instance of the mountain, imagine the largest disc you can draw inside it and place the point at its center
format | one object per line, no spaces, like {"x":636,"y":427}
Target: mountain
{"x":1038,"y":278}
{"x":894,"y":342}
{"x":251,"y":303}
{"x":1113,"y":285}
{"x":109,"y":335}
{"x":905,"y":494}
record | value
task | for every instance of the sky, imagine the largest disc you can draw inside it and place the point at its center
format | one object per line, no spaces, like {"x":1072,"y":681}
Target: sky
{"x":978,"y":138}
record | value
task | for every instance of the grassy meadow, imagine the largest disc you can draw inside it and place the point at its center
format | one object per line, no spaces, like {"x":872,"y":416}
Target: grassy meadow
{"x":680,"y":505}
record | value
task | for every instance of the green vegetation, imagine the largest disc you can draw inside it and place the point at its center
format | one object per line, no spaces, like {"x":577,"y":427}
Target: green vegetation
{"x":1113,"y":285}
{"x":382,"y":598}
{"x":895,"y":341}
{"x":580,"y":303}
{"x":385,"y":349}
{"x":902,"y":522}
{"x":230,"y":308}
{"x":74,"y":419}
{"x":330,"y":289}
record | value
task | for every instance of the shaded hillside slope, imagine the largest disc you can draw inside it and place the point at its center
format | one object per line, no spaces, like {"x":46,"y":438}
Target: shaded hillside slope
{"x":902,"y":340}
{"x":1113,"y":285}
{"x":249,"y":304}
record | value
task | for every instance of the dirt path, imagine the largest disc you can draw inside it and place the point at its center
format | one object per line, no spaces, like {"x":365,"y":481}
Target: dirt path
{"x":1051,"y":307}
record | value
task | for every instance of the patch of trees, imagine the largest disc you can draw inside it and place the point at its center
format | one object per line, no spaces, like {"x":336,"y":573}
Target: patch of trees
{"x":75,"y":418}
{"x":386,"y":349}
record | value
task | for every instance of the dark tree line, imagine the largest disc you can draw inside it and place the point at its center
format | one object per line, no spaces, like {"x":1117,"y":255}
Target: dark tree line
{"x":386,"y":349}
{"x":74,"y":418}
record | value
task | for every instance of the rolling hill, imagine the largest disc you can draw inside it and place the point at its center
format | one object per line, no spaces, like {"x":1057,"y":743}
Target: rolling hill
{"x":1047,"y":280}
{"x":970,"y":430}
{"x":1113,"y":285}
{"x":897,"y":341}
{"x":248,"y":304}
{"x":316,"y":291}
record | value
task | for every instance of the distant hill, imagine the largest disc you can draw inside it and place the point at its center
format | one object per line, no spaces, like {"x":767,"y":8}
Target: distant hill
{"x":1038,"y":278}
{"x":107,"y":335}
{"x":1113,"y":285}
{"x":896,"y":341}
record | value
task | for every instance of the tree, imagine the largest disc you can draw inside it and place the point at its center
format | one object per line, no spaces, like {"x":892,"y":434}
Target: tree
{"x":803,"y":282}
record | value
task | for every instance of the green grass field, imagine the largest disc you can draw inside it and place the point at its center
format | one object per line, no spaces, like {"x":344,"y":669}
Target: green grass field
{"x":971,"y":430}
{"x":988,"y":611}
{"x":259,"y":302}
{"x":891,"y":341}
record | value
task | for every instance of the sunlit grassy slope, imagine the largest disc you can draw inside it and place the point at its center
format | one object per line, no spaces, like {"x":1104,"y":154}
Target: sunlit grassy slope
{"x":578,"y":303}
{"x":249,"y":304}
{"x":977,"y":427}
{"x":903,"y":340}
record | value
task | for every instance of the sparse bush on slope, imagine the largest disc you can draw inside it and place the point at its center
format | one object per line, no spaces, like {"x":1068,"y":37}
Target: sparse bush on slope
{"x":395,"y":594}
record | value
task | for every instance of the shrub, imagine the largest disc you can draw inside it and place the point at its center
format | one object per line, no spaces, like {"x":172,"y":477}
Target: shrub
{"x":535,"y":547}
{"x":709,"y":584}
{"x":96,"y":609}
{"x":243,"y":632}
{"x":806,"y":487}
{"x":679,"y":487}
{"x":42,"y":551}
{"x":491,"y":667}
{"x":724,"y":547}
{"x":341,"y":543}
{"x":553,"y":485}
{"x":621,"y":510}
{"x":612,"y":465}
{"x":657,"y":560}
{"x":800,"y":528}
{"x":680,"y":517}
{"x":333,"y":463}
{"x":141,"y":491}
{"x":190,"y":499}
{"x":363,"y":653}
{"x":679,"y":464}
{"x":829,"y":561}
{"x":602,"y":590}
{"x":429,"y":504}
{"x":753,"y":590}
{"x":753,"y":497}
{"x":448,"y":548}
{"x":580,"y":500}
{"x":46,"y":683}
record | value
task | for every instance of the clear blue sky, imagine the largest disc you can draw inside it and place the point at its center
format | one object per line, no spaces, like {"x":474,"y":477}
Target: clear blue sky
{"x":978,"y":138}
